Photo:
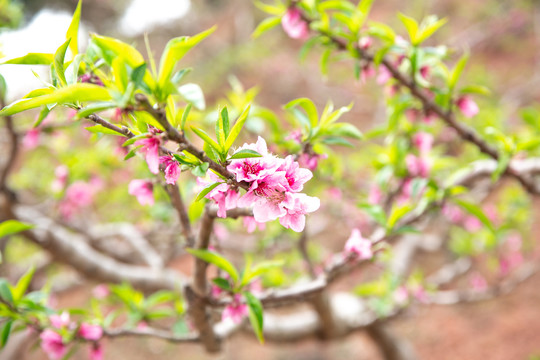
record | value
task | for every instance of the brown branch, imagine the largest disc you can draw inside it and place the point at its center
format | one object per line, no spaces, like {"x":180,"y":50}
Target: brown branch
{"x":178,"y":203}
{"x":197,"y":292}
{"x":12,"y":153}
{"x":150,"y":332}
{"x":391,"y":346}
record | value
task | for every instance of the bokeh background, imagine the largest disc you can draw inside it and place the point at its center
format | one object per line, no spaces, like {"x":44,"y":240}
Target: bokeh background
{"x":504,"y":40}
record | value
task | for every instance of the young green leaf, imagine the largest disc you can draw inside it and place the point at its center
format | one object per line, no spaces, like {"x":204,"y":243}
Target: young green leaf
{"x":476,"y":211}
{"x":217,"y":260}
{"x":59,"y":58}
{"x":6,"y":331}
{"x":10,"y":227}
{"x":308,"y":106}
{"x":266,"y":25}
{"x":137,"y":74}
{"x":175,"y":51}
{"x":203,"y":135}
{"x":185,"y":115}
{"x":411,"y":25}
{"x":429,"y":30}
{"x":73,"y":30}
{"x":68,"y":94}
{"x":22,"y":285}
{"x":31,"y":59}
{"x":225,"y":122}
{"x":244,"y":154}
{"x":5,"y":291}
{"x":375,"y":211}
{"x":255,"y":315}
{"x":237,"y":127}
{"x":456,"y":72}
{"x":259,"y":269}
{"x":397,"y":213}
{"x":222,"y":283}
{"x":206,"y":190}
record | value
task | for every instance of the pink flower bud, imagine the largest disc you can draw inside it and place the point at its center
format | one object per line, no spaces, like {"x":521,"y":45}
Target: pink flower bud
{"x":294,"y":25}
{"x":172,"y":168}
{"x":59,"y":321}
{"x":101,"y":291}
{"x":31,"y":139}
{"x":425,"y":71}
{"x":467,"y":106}
{"x":365,"y":42}
{"x":423,"y":142}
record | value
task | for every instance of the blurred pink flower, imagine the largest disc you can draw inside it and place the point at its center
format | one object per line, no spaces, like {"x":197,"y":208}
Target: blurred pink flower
{"x":52,"y":344}
{"x":78,"y":195}
{"x":401,"y":295}
{"x":375,"y":195}
{"x":417,"y":166}
{"x":365,"y":42}
{"x":472,"y":224}
{"x":96,"y":351}
{"x":367,"y":72}
{"x":467,"y":106}
{"x":423,"y":142}
{"x":90,"y":332}
{"x":60,"y":321}
{"x":31,"y":139}
{"x":384,"y":75}
{"x":235,"y":311}
{"x":251,"y":224}
{"x":61,"y":175}
{"x":425,"y":71}
{"x":143,"y":190}
{"x":452,"y":213}
{"x":294,"y":25}
{"x":101,"y":291}
{"x":359,"y":246}
{"x":478,"y":282}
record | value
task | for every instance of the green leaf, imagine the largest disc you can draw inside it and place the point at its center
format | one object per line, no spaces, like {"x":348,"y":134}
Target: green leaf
{"x":31,"y":59}
{"x":5,"y":291}
{"x":255,"y":315}
{"x":259,"y":269}
{"x":11,"y":227}
{"x":6,"y":331}
{"x":476,"y":211}
{"x":325,"y":59}
{"x":185,"y":115}
{"x":137,"y":74}
{"x":131,"y":153}
{"x":382,"y":31}
{"x":174,"y":52}
{"x":411,"y":25}
{"x":475,"y":89}
{"x":429,"y":30}
{"x":68,"y":94}
{"x":200,"y":170}
{"x":72,"y":71}
{"x":193,"y":94}
{"x":308,"y":106}
{"x":3,"y":88}
{"x":397,"y":213}
{"x":237,"y":127}
{"x":99,"y":129}
{"x":217,"y":260}
{"x":22,"y":285}
{"x":244,"y":154}
{"x":206,"y":190}
{"x":73,"y":30}
{"x":266,"y":25}
{"x":222,"y":283}
{"x":344,"y":129}
{"x":59,"y":57}
{"x":375,"y":211}
{"x":94,"y":108}
{"x":456,"y":72}
{"x":225,"y":123}
{"x":203,"y":135}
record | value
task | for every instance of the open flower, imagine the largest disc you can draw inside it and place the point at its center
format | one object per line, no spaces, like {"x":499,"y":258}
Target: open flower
{"x":60,"y":321}
{"x":301,"y":204}
{"x":423,"y":142}
{"x":143,"y":190}
{"x":172,"y":169}
{"x":294,"y":25}
{"x":417,"y":166}
{"x":150,"y":146}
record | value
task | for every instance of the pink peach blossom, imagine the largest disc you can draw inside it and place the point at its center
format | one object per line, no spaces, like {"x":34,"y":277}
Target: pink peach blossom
{"x":423,"y":142}
{"x":101,"y":291}
{"x":150,"y":147}
{"x":96,"y":351}
{"x":172,"y":168}
{"x":365,"y":42}
{"x":143,"y":190}
{"x":60,"y":321}
{"x":60,"y":178}
{"x":418,"y":166}
{"x":31,"y":138}
{"x":478,"y":282}
{"x":251,"y":224}
{"x":359,"y":246}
